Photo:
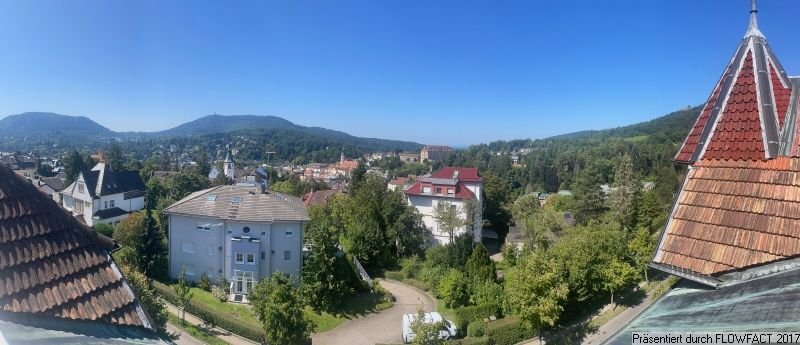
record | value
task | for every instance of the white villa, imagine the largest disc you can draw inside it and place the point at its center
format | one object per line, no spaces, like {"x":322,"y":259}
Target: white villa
{"x":240,"y":233}
{"x":102,"y":195}
{"x":454,"y":185}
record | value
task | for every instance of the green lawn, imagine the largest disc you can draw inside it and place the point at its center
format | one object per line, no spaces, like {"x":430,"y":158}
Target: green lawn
{"x":197,"y":332}
{"x":354,"y":306}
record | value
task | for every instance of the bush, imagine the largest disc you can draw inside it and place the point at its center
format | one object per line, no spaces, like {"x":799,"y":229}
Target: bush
{"x":205,"y":283}
{"x":211,"y":316}
{"x":508,"y":331}
{"x":382,"y":295}
{"x":432,"y":275}
{"x":452,"y":289}
{"x":476,"y":329}
{"x":411,"y":267}
{"x":219,"y":293}
{"x":467,"y":315}
{"x":471,"y":341}
{"x":104,"y":229}
{"x":486,"y":292}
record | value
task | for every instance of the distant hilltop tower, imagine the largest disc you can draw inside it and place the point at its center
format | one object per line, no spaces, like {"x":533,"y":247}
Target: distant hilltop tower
{"x":228,"y":166}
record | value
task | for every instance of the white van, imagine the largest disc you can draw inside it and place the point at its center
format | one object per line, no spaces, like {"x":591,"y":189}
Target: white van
{"x":448,"y":331}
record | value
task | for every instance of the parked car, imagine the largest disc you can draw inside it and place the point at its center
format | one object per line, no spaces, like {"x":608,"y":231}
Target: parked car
{"x":448,"y":330}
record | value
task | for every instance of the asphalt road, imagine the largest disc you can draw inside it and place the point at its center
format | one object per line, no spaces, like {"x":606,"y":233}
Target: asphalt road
{"x":384,"y":327}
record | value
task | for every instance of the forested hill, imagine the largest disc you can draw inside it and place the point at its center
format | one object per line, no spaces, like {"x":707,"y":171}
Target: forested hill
{"x":214,"y":124}
{"x":50,"y":124}
{"x":559,"y":162}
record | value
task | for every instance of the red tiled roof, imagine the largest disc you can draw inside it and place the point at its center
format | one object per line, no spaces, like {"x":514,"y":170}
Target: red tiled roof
{"x":693,"y":139}
{"x":737,"y":134}
{"x":462,"y":192}
{"x":733,"y":215}
{"x":782,"y":94}
{"x":464,"y":174}
{"x":51,"y":265}
{"x":318,"y":197}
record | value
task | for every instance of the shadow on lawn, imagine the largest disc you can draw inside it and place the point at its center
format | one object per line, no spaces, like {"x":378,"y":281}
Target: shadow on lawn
{"x":358,"y":305}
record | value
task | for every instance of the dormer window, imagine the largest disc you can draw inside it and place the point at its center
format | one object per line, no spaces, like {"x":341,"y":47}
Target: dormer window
{"x":236,"y":201}
{"x":80,"y":187}
{"x":450,"y":191}
{"x":426,"y":190}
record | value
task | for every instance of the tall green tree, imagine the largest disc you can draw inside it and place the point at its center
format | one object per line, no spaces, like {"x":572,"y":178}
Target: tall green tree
{"x":324,"y":277}
{"x":115,"y":157}
{"x":184,"y":293}
{"x":279,"y":308}
{"x":480,"y":267}
{"x":536,"y":291}
{"x":73,"y":165}
{"x":588,"y":196}
{"x":626,"y":194}
{"x":641,"y":248}
{"x":410,"y":235}
{"x":453,"y":289}
{"x":616,"y":274}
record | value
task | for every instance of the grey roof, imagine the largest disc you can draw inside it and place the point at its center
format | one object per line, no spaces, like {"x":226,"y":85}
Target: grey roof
{"x":761,"y":305}
{"x":440,"y":181}
{"x":109,"y":213}
{"x":101,"y":180}
{"x":56,"y":183}
{"x":254,"y":206}
{"x":16,"y":328}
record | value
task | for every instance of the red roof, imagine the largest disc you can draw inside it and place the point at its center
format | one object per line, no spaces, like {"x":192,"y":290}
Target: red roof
{"x":746,"y":113}
{"x":462,"y":192}
{"x":464,"y":174}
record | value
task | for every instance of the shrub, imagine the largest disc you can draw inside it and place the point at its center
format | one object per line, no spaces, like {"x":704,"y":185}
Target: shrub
{"x":486,"y":292}
{"x":411,"y":267}
{"x":452,"y":289}
{"x":219,"y":293}
{"x":466,"y":315}
{"x":211,"y":316}
{"x":205,"y":283}
{"x":382,"y":295}
{"x":104,"y":229}
{"x":432,"y":275}
{"x":476,"y":329}
{"x":508,"y":331}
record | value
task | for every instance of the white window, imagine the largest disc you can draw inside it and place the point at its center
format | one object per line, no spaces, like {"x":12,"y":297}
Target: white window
{"x":287,"y":255}
{"x":450,"y":191}
{"x":289,"y":234}
{"x":79,"y":206}
{"x":187,"y":247}
{"x":239,"y":258}
{"x":112,"y":203}
{"x":80,"y":187}
{"x":210,"y":251}
{"x":251,"y":259}
{"x":426,"y":190}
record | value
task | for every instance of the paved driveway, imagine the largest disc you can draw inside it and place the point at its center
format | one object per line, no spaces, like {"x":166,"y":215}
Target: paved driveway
{"x":384,"y":327}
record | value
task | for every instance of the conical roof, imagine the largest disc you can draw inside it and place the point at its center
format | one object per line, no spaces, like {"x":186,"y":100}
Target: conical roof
{"x":745,"y":115}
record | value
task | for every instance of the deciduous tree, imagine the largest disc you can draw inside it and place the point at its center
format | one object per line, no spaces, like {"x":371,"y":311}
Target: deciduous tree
{"x":536,"y":291}
{"x":184,"y":294}
{"x":279,"y":308}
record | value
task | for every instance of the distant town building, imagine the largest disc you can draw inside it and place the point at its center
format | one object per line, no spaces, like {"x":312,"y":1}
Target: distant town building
{"x":454,"y":185}
{"x":435,"y":153}
{"x":103,"y":195}
{"x":409,"y":157}
{"x":400,"y":183}
{"x":240,"y":233}
{"x":319,"y":197}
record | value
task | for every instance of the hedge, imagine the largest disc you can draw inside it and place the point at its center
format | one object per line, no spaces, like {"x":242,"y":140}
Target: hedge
{"x":465,"y":315}
{"x":508,"y":331}
{"x":476,"y":329}
{"x":211,"y":316}
{"x":471,"y":341}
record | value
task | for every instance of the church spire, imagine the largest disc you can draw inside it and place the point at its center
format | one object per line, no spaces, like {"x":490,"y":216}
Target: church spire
{"x":752,"y":29}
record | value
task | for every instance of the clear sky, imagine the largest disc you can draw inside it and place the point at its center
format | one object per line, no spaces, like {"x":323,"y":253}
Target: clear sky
{"x":440,"y":72}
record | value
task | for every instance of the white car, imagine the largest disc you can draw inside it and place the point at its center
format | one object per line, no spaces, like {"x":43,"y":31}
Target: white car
{"x":448,"y":330}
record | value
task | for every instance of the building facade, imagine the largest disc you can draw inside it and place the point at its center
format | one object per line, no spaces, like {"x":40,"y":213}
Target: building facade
{"x":102,"y":195}
{"x":435,"y":153}
{"x":239,"y":233}
{"x":461,"y":189}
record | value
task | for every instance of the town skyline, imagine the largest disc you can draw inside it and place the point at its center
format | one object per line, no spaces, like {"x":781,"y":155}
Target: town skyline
{"x":361,"y":72}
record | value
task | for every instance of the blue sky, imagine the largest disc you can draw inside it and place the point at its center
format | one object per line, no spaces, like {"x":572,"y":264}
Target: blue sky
{"x":441,"y":72}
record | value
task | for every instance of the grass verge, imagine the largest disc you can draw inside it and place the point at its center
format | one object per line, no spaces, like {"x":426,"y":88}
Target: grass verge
{"x":197,"y":332}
